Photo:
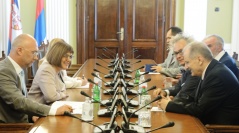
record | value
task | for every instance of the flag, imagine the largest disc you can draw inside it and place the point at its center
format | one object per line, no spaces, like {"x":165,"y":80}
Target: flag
{"x":40,"y":26}
{"x":15,"y":26}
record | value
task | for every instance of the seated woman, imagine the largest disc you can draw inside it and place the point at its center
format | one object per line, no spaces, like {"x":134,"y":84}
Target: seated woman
{"x":48,"y":84}
{"x":70,"y":82}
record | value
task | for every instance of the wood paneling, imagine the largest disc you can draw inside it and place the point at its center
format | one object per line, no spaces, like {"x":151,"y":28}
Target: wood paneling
{"x":144,"y":23}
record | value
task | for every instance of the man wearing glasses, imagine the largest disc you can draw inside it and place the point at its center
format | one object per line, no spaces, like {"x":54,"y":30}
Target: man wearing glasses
{"x":14,"y":104}
{"x":184,"y":90}
{"x":170,"y":66}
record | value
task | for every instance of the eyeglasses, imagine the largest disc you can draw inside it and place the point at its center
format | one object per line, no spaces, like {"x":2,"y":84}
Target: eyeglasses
{"x":68,"y":56}
{"x":178,"y":53}
{"x":34,"y":53}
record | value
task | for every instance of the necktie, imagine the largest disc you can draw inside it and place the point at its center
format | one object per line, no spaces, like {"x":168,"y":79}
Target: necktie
{"x":197,"y":91}
{"x":23,"y":85}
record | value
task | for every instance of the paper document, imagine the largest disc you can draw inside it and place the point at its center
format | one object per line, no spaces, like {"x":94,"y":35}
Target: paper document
{"x":85,"y":86}
{"x":156,"y":109}
{"x":77,"y":106}
{"x":150,"y":73}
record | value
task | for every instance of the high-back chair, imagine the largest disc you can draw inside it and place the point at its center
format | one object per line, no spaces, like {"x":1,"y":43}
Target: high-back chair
{"x":3,"y":56}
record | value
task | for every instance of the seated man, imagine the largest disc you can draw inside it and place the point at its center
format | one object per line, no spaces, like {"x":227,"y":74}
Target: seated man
{"x":184,"y":90}
{"x":216,"y":45}
{"x":216,"y":98}
{"x":170,"y":66}
{"x":14,"y":106}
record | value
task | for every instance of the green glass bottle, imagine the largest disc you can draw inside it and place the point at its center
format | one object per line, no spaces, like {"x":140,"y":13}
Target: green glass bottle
{"x":96,"y":93}
{"x":144,"y":91}
{"x":137,"y":76}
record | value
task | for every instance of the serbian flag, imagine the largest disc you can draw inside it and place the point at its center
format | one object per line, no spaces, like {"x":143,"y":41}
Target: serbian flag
{"x":40,"y":26}
{"x":15,"y":26}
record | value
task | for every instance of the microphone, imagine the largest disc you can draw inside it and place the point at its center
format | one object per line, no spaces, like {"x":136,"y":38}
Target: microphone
{"x":130,"y":52}
{"x":109,"y":52}
{"x":134,"y":92}
{"x":128,"y":65}
{"x":170,"y":124}
{"x":131,"y":84}
{"x":129,"y":127}
{"x":156,"y":99}
{"x":109,"y":92}
{"x":152,"y":88}
{"x":86,"y":95}
{"x":111,"y":84}
{"x":105,"y":56}
{"x":66,"y":113}
{"x":137,"y":56}
{"x":106,"y":75}
{"x":103,"y":67}
{"x":130,"y":71}
{"x":110,"y":65}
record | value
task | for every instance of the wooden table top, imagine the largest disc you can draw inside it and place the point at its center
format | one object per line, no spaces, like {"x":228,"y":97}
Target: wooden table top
{"x":66,"y":124}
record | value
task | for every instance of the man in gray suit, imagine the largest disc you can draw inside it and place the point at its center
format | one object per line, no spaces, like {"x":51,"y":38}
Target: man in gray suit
{"x":170,"y":66}
{"x":14,"y":106}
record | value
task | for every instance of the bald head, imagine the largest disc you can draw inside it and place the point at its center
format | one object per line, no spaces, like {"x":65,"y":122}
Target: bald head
{"x":197,"y":56}
{"x":24,"y":40}
{"x":24,"y":50}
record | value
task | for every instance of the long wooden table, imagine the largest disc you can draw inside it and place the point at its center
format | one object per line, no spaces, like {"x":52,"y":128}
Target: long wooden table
{"x":65,"y":124}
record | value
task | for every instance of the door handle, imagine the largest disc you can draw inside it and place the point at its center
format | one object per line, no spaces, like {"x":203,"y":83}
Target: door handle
{"x":121,"y":34}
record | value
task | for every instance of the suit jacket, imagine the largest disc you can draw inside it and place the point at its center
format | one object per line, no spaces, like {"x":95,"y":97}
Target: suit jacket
{"x":217,"y":99}
{"x":48,"y":85}
{"x":170,"y":66}
{"x":184,"y":90}
{"x":230,"y":63}
{"x":14,"y":107}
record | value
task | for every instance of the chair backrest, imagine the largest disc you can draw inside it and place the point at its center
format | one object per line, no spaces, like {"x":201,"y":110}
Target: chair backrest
{"x":222,"y":128}
{"x":15,"y":127}
{"x":3,"y":56}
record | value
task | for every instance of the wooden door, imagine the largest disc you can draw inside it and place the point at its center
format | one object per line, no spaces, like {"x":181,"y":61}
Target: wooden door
{"x":121,"y":26}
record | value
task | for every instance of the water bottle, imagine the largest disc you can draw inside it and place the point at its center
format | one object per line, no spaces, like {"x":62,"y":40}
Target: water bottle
{"x":96,"y":93}
{"x":144,"y":91}
{"x":141,"y":80}
{"x":98,"y":79}
{"x":87,"y":110}
{"x":137,"y":76}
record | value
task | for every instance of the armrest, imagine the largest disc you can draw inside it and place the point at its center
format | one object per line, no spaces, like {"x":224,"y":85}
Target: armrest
{"x":222,"y":128}
{"x":15,"y":127}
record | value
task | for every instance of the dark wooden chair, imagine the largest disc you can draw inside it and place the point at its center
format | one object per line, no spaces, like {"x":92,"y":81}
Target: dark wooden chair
{"x":3,"y":56}
{"x":15,"y":127}
{"x":222,"y":128}
{"x":31,"y":71}
{"x":73,"y":69}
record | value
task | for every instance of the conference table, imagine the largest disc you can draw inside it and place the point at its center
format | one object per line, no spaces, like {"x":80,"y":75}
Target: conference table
{"x":66,"y":124}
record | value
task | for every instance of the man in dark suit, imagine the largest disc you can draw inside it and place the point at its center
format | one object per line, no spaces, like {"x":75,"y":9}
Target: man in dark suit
{"x":184,"y":90}
{"x":216,"y":98}
{"x":216,"y":45}
{"x":14,"y":105}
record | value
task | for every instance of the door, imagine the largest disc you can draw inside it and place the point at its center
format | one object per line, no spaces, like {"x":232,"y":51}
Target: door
{"x":121,"y":26}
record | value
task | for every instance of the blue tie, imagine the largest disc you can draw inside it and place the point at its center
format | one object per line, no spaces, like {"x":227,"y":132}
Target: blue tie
{"x":23,"y":85}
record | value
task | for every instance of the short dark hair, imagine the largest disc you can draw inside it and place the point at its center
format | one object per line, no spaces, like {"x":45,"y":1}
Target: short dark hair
{"x":175,"y":30}
{"x":56,"y":53}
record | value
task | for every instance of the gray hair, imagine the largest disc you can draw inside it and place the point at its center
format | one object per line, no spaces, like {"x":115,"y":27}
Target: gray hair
{"x":199,"y":48}
{"x":219,"y":40}
{"x":181,"y":36}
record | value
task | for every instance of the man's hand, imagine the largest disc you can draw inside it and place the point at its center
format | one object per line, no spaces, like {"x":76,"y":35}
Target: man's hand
{"x":35,"y":118}
{"x":156,"y":68}
{"x":159,"y":91}
{"x":164,"y":102}
{"x":62,"y":109}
